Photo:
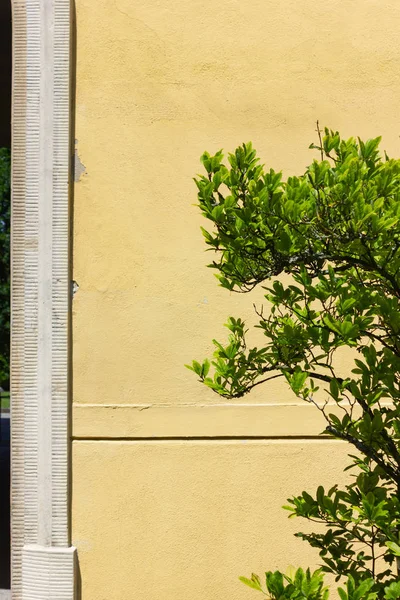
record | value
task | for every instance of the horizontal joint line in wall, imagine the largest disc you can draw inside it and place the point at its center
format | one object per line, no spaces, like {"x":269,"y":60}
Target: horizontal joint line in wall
{"x":197,"y":438}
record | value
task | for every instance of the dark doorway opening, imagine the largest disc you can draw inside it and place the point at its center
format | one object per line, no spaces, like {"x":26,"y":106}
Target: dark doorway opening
{"x":5,"y":147}
{"x":5,"y":73}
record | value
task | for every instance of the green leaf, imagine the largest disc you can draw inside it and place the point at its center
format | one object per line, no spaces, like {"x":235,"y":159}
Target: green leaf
{"x":254,"y":584}
{"x":205,"y":368}
{"x":392,"y":591}
{"x":334,"y":389}
{"x":394,"y":548}
{"x":285,"y":242}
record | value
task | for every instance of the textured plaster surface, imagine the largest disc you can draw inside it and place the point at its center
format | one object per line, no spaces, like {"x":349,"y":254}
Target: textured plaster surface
{"x":181,"y":519}
{"x":157,"y":84}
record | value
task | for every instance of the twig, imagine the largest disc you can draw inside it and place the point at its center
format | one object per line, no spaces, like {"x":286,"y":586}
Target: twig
{"x":320,"y":141}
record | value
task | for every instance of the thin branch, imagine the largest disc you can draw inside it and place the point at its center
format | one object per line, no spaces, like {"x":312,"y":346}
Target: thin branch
{"x":320,"y":141}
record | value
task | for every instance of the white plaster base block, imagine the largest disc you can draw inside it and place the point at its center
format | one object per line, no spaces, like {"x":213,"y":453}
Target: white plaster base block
{"x":48,"y":573}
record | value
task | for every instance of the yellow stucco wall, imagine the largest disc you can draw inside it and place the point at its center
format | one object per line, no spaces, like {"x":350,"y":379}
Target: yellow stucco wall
{"x":154,"y":514}
{"x":185,"y":519}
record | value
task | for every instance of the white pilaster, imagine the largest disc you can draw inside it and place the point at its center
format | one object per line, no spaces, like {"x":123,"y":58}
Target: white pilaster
{"x":42,"y":559}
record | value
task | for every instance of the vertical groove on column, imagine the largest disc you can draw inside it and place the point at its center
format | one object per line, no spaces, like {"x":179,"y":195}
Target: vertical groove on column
{"x":18,"y":179}
{"x":32,"y":196}
{"x":45,"y":271}
{"x":61,"y":289}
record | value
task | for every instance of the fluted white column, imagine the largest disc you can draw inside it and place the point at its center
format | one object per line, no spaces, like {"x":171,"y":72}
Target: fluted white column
{"x":42,"y":559}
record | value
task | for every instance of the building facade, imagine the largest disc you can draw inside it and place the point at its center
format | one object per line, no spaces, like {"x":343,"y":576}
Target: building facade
{"x":130,"y":479}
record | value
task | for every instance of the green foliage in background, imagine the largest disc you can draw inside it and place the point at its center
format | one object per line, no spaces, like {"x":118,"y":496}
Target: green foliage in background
{"x":5,"y":208}
{"x":335,"y":232}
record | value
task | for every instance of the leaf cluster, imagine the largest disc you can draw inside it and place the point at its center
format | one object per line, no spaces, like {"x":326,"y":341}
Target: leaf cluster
{"x":301,"y":584}
{"x":305,"y":585}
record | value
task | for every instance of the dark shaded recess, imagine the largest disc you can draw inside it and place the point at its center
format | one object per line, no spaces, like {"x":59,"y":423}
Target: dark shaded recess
{"x":4,"y":503}
{"x":5,"y":142}
{"x":5,"y":73}
{"x":5,"y":214}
